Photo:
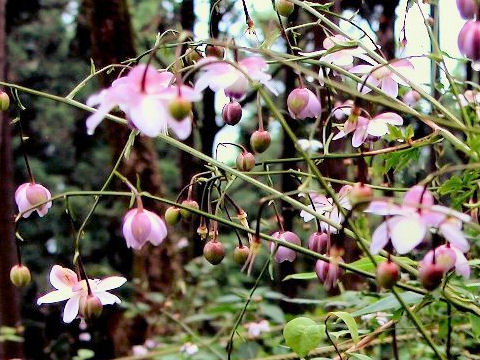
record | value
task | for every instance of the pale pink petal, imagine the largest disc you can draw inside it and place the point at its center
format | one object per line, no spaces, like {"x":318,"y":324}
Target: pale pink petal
{"x":379,"y":238}
{"x":127,"y":230}
{"x":254,"y":64}
{"x":54,"y":296}
{"x":340,"y":134}
{"x":71,"y":308}
{"x":159,"y":229}
{"x":372,"y":81}
{"x":361,"y":69}
{"x":462,"y":267}
{"x":182,"y":128}
{"x":21,"y":200}
{"x":377,"y":127}
{"x":381,"y":207}
{"x":107,"y":299}
{"x":111,"y":282}
{"x":62,"y":278}
{"x":389,"y":86}
{"x":451,"y":230}
{"x":412,"y":197}
{"x":407,"y":233}
{"x":148,"y":116}
{"x":390,"y":118}
{"x":359,"y":136}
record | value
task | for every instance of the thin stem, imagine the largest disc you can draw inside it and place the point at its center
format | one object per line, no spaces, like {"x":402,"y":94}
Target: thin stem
{"x":24,"y":151}
{"x":449,"y":331}
{"x":331,"y":340}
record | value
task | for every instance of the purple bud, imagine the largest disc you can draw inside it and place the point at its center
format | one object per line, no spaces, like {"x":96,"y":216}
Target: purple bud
{"x":245,"y":161}
{"x":328,"y":273}
{"x":232,"y":113}
{"x":318,"y":242}
{"x":467,"y":8}
{"x":297,"y":100}
{"x":141,"y":227}
{"x":284,"y":253}
{"x":469,"y":41}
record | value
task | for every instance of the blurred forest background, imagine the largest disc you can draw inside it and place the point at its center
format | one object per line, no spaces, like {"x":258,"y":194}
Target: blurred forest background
{"x":50,"y":45}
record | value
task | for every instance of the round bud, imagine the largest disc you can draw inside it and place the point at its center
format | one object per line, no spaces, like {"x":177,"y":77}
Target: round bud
{"x":172,"y":215}
{"x":92,"y":307}
{"x":260,"y":141}
{"x":468,"y":40}
{"x":186,"y":214}
{"x":214,"y":252}
{"x":202,"y":231}
{"x":20,"y":275}
{"x":192,"y":56}
{"x":360,"y":195}
{"x":430,"y":275}
{"x":4,"y":101}
{"x":245,"y":161}
{"x":467,"y":8}
{"x":179,"y":108}
{"x":297,"y":100}
{"x":232,"y":113}
{"x":284,"y":7}
{"x":214,"y":50}
{"x":388,"y":273}
{"x":240,"y":254}
{"x":318,"y":242}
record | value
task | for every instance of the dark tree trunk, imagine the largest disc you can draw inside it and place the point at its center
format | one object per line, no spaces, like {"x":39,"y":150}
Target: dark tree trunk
{"x":9,"y":295}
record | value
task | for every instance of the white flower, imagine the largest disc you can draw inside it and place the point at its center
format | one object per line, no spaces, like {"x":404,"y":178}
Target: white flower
{"x":189,"y":349}
{"x":255,"y":329}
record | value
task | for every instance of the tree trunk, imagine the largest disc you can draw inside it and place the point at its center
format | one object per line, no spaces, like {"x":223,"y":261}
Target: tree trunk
{"x":9,"y":295}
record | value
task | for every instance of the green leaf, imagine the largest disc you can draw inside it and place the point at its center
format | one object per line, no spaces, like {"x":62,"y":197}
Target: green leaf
{"x":303,"y":335}
{"x":389,"y":303}
{"x":360,"y":356}
{"x":475,"y":322}
{"x":400,"y":159}
{"x":301,"y":276}
{"x":349,"y":320}
{"x":365,"y":263}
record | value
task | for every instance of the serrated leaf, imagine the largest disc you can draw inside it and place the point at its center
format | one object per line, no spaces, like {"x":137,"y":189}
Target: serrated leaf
{"x":390,"y":303}
{"x":303,"y":335}
{"x":349,"y":320}
{"x":301,"y":276}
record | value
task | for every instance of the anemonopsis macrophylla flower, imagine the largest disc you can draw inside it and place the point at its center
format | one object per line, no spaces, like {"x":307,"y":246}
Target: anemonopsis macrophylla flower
{"x":364,"y":128}
{"x":69,"y":287}
{"x":144,"y":95}
{"x":468,"y":40}
{"x":220,"y":75}
{"x":448,"y":257}
{"x":329,"y":272}
{"x":283,"y":253}
{"x":141,"y":226}
{"x":302,"y":103}
{"x":30,"y":194}
{"x":411,"y":98}
{"x":318,"y":242}
{"x":382,"y":77}
{"x":467,"y":8}
{"x":327,"y":207}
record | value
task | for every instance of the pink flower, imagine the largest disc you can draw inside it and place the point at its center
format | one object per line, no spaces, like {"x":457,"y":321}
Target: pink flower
{"x":411,"y":98}
{"x":448,"y":257}
{"x":69,"y":287}
{"x":303,"y":103}
{"x":219,"y":75}
{"x":318,"y":242}
{"x":343,"y":109}
{"x":141,"y":226}
{"x":364,"y":128}
{"x":382,"y":77}
{"x":468,"y":40}
{"x":284,"y":253}
{"x":341,"y":57}
{"x":326,"y":207}
{"x":28,"y":195}
{"x":143,"y":95}
{"x":328,"y":273}
{"x":255,"y":329}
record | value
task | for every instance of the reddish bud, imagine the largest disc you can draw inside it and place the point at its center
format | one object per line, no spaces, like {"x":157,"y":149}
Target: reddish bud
{"x":179,"y":108}
{"x":240,"y":254}
{"x":328,"y":273}
{"x":232,"y":113}
{"x":214,"y":50}
{"x":214,"y":252}
{"x":260,"y":141}
{"x":20,"y":275}
{"x":91,"y":307}
{"x":468,"y":40}
{"x":360,"y":195}
{"x":467,"y":8}
{"x":4,"y":101}
{"x":245,"y":161}
{"x":388,"y":273}
{"x":318,"y":242}
{"x":430,"y":275}
{"x":172,"y":215}
{"x":187,"y":214}
{"x":284,"y":7}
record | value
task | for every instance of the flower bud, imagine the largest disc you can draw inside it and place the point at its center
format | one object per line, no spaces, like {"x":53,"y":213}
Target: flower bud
{"x":318,"y":242}
{"x":467,"y":8}
{"x":192,"y":56}
{"x":232,"y":113}
{"x":214,"y":50}
{"x":4,"y":101}
{"x":297,"y":100}
{"x":284,"y":253}
{"x":430,"y":275}
{"x":260,"y":141}
{"x":186,"y":214}
{"x":245,"y":161}
{"x":468,"y":40}
{"x":328,"y":273}
{"x":172,"y":215}
{"x":240,"y":254}
{"x":388,"y":273}
{"x":284,"y":7}
{"x":91,"y":308}
{"x":202,"y":231}
{"x":214,"y":252}
{"x":360,"y":195}
{"x":179,"y":108}
{"x":20,"y":275}
{"x":411,"y":98}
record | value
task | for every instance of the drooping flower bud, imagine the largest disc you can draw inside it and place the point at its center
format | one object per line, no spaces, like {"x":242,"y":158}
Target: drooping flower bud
{"x":179,"y":108}
{"x":468,"y":40}
{"x":245,"y":161}
{"x":360,"y":196}
{"x":30,"y":194}
{"x":214,"y":252}
{"x":240,"y":254}
{"x":430,"y":275}
{"x":388,"y":273}
{"x":467,"y":8}
{"x":214,"y":50}
{"x":141,"y":226}
{"x":303,"y":103}
{"x":232,"y":113}
{"x":260,"y":141}
{"x":187,"y":214}
{"x":91,"y":307}
{"x":20,"y":275}
{"x":172,"y":215}
{"x":4,"y":101}
{"x":284,"y":253}
{"x":328,"y":273}
{"x":284,"y":7}
{"x":318,"y":242}
{"x":411,"y":98}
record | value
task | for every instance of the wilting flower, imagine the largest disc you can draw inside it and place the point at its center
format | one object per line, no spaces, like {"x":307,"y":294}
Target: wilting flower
{"x":303,"y":103}
{"x":255,"y":329}
{"x":284,"y":253}
{"x":448,"y":257}
{"x":220,"y":75}
{"x":468,"y":39}
{"x":69,"y":287}
{"x":381,"y":76}
{"x":326,"y":207}
{"x":328,"y":272}
{"x":28,"y":195}
{"x":364,"y":128}
{"x":141,"y":226}
{"x":144,"y":96}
